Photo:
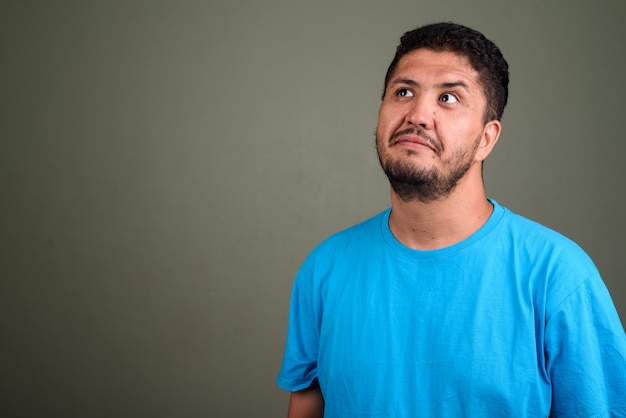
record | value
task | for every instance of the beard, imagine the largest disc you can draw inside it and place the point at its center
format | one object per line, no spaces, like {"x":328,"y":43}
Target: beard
{"x":411,"y":182}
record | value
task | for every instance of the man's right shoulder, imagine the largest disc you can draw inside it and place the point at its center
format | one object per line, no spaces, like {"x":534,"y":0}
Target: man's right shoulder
{"x":341,"y":249}
{"x":366,"y":230}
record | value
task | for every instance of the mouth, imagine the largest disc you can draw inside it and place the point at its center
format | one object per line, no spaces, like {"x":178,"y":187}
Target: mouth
{"x":414,"y":138}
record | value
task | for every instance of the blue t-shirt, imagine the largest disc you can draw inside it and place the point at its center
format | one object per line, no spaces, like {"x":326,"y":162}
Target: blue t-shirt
{"x":513,"y":321}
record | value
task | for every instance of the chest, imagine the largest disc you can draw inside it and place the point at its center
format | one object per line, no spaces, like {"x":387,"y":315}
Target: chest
{"x":441,"y":330}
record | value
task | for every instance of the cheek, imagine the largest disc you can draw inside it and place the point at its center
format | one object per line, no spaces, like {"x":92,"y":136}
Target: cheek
{"x":388,"y":118}
{"x":463,"y":127}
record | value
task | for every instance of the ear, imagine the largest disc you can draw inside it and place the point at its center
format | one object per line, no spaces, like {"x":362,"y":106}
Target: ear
{"x":491,"y":133}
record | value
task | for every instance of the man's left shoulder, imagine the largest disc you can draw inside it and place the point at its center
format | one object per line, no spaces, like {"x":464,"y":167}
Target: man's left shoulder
{"x":538,"y":234}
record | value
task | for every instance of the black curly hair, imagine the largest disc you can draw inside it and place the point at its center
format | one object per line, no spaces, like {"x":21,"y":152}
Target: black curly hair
{"x":482,"y":54}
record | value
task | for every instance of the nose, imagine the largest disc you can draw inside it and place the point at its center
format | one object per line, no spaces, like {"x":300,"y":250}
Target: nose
{"x":421,"y":113}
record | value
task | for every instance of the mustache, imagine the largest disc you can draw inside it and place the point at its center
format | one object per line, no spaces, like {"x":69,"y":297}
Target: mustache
{"x":417,"y":132}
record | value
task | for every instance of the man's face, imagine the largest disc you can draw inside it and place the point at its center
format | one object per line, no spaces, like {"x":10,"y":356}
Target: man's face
{"x":431,"y":130}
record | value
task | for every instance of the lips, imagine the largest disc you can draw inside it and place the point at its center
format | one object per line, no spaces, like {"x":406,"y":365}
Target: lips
{"x":414,"y":136}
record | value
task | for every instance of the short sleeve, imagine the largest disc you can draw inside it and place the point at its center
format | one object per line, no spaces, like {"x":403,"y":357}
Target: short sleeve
{"x":585,"y":348}
{"x":299,"y":367}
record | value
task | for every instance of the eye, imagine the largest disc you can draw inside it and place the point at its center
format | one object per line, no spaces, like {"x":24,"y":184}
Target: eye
{"x":404,"y":93}
{"x":448,"y":98}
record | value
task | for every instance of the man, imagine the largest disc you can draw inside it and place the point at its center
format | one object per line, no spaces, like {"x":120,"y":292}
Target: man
{"x":448,"y":304}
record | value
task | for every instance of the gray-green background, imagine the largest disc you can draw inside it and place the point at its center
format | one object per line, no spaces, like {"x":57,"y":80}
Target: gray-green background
{"x":166,"y":166}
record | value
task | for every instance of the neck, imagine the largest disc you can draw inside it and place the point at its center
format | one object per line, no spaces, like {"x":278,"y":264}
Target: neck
{"x":440,"y":223}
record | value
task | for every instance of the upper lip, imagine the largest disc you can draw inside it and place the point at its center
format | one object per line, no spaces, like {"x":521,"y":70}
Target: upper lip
{"x":415,"y":136}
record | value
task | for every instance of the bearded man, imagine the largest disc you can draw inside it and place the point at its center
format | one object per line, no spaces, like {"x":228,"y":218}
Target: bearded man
{"x":448,"y":304}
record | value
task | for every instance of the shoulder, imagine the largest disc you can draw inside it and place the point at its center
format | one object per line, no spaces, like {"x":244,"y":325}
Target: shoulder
{"x":539,"y":240}
{"x":554,"y":259}
{"x":344,"y":246}
{"x":354,"y":237}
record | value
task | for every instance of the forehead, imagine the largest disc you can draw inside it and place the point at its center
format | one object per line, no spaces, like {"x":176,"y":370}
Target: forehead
{"x":424,"y":64}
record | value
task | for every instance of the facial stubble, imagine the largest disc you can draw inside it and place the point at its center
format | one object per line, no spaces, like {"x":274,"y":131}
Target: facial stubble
{"x":411,"y":182}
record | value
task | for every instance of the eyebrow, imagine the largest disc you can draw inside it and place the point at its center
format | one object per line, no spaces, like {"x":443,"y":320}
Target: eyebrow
{"x":446,"y":85}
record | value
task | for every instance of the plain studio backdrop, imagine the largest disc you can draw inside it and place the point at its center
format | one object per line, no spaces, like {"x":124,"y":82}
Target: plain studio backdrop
{"x":165,"y":167}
